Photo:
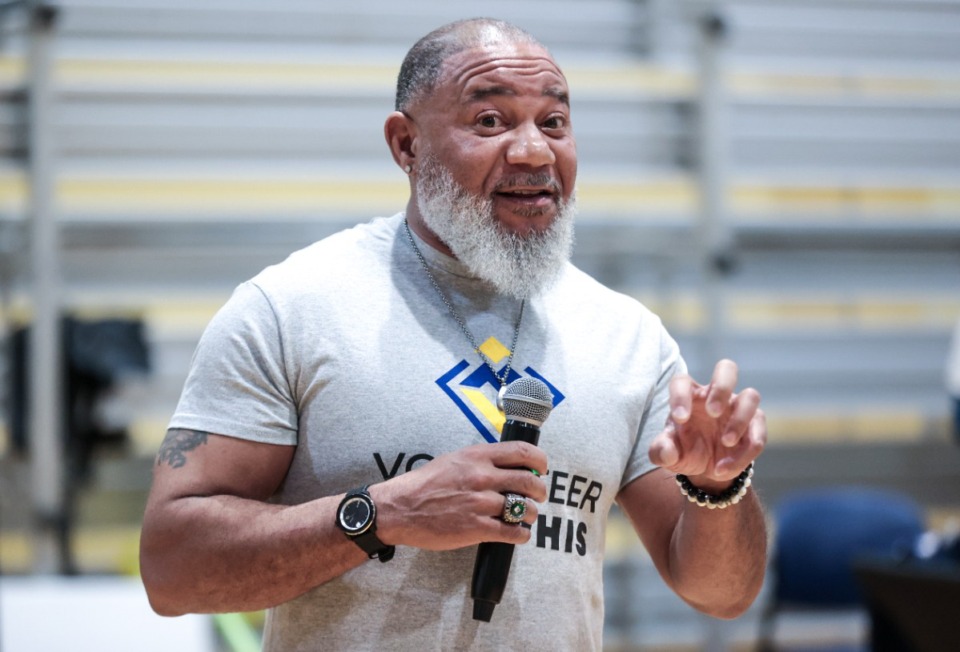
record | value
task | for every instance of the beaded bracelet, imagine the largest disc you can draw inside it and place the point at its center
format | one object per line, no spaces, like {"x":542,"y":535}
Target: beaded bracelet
{"x":731,"y":496}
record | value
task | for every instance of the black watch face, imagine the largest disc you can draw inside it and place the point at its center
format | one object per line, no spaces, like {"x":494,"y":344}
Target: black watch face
{"x":356,"y":514}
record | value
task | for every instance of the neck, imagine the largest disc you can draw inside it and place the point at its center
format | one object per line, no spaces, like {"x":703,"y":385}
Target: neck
{"x":415,"y":220}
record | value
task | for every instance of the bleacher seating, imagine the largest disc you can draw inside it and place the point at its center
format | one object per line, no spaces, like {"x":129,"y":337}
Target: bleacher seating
{"x":198,"y":142}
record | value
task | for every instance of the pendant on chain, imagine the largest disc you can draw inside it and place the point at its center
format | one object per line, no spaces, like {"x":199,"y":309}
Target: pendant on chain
{"x":500,"y":395}
{"x":463,"y":326}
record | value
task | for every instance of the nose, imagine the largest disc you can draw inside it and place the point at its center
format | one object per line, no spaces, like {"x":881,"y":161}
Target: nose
{"x":530,"y":147}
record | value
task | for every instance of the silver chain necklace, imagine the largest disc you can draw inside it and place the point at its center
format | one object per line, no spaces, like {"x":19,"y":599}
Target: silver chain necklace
{"x":501,"y":378}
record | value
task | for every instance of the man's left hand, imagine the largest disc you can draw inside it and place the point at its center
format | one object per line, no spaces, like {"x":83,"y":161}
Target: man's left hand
{"x":712,"y":433}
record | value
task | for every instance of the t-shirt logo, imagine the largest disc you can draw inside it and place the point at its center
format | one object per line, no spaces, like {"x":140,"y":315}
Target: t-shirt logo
{"x":473,"y":388}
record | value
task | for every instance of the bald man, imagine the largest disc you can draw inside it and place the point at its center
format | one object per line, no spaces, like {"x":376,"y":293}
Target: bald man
{"x":335,"y":455}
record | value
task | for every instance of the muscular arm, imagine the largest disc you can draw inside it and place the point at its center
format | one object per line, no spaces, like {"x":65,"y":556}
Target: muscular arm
{"x":715,"y":559}
{"x":712,"y":558}
{"x":211,"y":543}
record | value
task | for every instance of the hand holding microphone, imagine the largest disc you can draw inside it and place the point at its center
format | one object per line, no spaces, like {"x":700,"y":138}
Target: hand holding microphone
{"x":527,"y":403}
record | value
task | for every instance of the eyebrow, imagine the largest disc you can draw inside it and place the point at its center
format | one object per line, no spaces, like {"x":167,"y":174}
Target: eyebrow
{"x":557,"y":94}
{"x":490,"y":91}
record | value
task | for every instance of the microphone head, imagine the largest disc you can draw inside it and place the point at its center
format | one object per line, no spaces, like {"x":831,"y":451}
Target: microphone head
{"x":528,"y":400}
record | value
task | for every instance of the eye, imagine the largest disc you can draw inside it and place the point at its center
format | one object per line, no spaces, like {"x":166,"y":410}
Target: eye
{"x":555,"y":122}
{"x":489,"y":121}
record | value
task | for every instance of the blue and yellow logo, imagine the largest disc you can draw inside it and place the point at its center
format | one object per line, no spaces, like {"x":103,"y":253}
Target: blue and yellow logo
{"x":472,"y":388}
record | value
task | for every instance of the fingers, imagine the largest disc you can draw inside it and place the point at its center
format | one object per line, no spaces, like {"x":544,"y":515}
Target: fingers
{"x":711,"y":429}
{"x":744,"y":407}
{"x":756,"y":439}
{"x":736,"y":458}
{"x":458,"y":498}
{"x":515,"y":462}
{"x":683,"y":392}
{"x":680,"y":454}
{"x":510,"y":533}
{"x":517,"y":454}
{"x":665,"y":449}
{"x":721,"y":387}
{"x":681,"y":398}
{"x":495,"y":505}
{"x":497,"y":502}
{"x":511,"y":470}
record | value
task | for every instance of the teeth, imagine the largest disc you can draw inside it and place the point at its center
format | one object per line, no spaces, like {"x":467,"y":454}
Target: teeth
{"x":525,"y":192}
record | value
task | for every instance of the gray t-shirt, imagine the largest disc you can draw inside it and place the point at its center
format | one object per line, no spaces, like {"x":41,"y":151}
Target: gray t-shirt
{"x":346,"y":351}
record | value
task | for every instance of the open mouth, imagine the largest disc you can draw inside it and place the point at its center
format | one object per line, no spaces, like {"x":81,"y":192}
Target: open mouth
{"x":532,"y":195}
{"x":533,"y":192}
{"x":529,"y":194}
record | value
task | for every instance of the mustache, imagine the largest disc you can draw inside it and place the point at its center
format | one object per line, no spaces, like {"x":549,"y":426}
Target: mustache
{"x":544,"y":179}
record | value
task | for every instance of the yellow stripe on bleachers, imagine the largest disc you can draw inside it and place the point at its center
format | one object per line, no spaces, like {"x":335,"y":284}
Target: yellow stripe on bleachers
{"x":826,"y":426}
{"x":617,"y":79}
{"x":614,"y":79}
{"x":631,"y":199}
{"x":236,"y":196}
{"x":240,"y":196}
{"x":634,"y":78}
{"x":13,"y":190}
{"x":682,"y":310}
{"x":100,"y":549}
{"x":869,"y":201}
{"x":764,"y":312}
{"x":865,"y":85}
{"x":627,"y":200}
{"x":145,"y":434}
{"x":209,"y":74}
{"x":244,"y":73}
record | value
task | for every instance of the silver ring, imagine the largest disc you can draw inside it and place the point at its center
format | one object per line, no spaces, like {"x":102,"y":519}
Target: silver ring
{"x":514,"y":508}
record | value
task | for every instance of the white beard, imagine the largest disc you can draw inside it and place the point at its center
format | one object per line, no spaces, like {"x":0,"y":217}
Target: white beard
{"x":519,"y":266}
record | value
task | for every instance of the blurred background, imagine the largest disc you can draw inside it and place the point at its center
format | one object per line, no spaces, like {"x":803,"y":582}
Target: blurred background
{"x":778,"y":179}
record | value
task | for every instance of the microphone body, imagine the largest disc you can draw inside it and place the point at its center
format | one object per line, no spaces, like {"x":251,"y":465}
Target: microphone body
{"x":492,"y":567}
{"x":527,"y":403}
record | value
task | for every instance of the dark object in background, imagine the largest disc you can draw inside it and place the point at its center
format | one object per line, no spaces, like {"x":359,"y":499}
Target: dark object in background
{"x":96,"y":354}
{"x":820,"y":534}
{"x":956,"y":420}
{"x":912,"y":603}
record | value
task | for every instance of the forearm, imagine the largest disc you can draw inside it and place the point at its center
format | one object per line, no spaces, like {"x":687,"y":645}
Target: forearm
{"x":212,"y":543}
{"x":224,"y":553}
{"x":717,"y":557}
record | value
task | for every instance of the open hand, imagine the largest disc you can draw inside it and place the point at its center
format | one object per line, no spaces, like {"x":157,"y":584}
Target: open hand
{"x":712,"y":433}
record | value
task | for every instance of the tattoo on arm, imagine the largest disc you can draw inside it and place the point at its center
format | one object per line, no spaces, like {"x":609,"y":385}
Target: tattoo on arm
{"x":177,"y":444}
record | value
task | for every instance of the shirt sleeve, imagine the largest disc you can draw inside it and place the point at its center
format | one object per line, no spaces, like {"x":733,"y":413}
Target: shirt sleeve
{"x":656,"y":409}
{"x":237,"y":384}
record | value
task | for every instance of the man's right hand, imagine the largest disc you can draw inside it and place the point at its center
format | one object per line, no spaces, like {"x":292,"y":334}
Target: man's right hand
{"x":456,"y":500}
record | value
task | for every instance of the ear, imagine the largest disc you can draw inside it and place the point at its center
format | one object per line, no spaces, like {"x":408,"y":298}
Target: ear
{"x":401,"y":134}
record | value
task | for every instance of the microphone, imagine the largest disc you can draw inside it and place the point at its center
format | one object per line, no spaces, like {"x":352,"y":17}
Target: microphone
{"x":526,"y":403}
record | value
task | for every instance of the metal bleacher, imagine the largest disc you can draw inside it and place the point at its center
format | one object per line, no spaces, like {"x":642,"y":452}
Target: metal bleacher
{"x":197,"y":142}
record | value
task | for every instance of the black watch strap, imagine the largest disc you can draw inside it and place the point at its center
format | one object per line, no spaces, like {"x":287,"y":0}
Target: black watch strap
{"x":374,"y":547}
{"x":366,"y":538}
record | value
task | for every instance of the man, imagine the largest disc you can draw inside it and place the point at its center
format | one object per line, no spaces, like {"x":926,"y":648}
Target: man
{"x":373,"y":358}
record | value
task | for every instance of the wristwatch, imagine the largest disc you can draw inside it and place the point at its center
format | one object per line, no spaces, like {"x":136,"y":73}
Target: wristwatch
{"x":357,"y":517}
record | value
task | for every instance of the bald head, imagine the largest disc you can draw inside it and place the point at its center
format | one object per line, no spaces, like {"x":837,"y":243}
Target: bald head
{"x":423,"y":64}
